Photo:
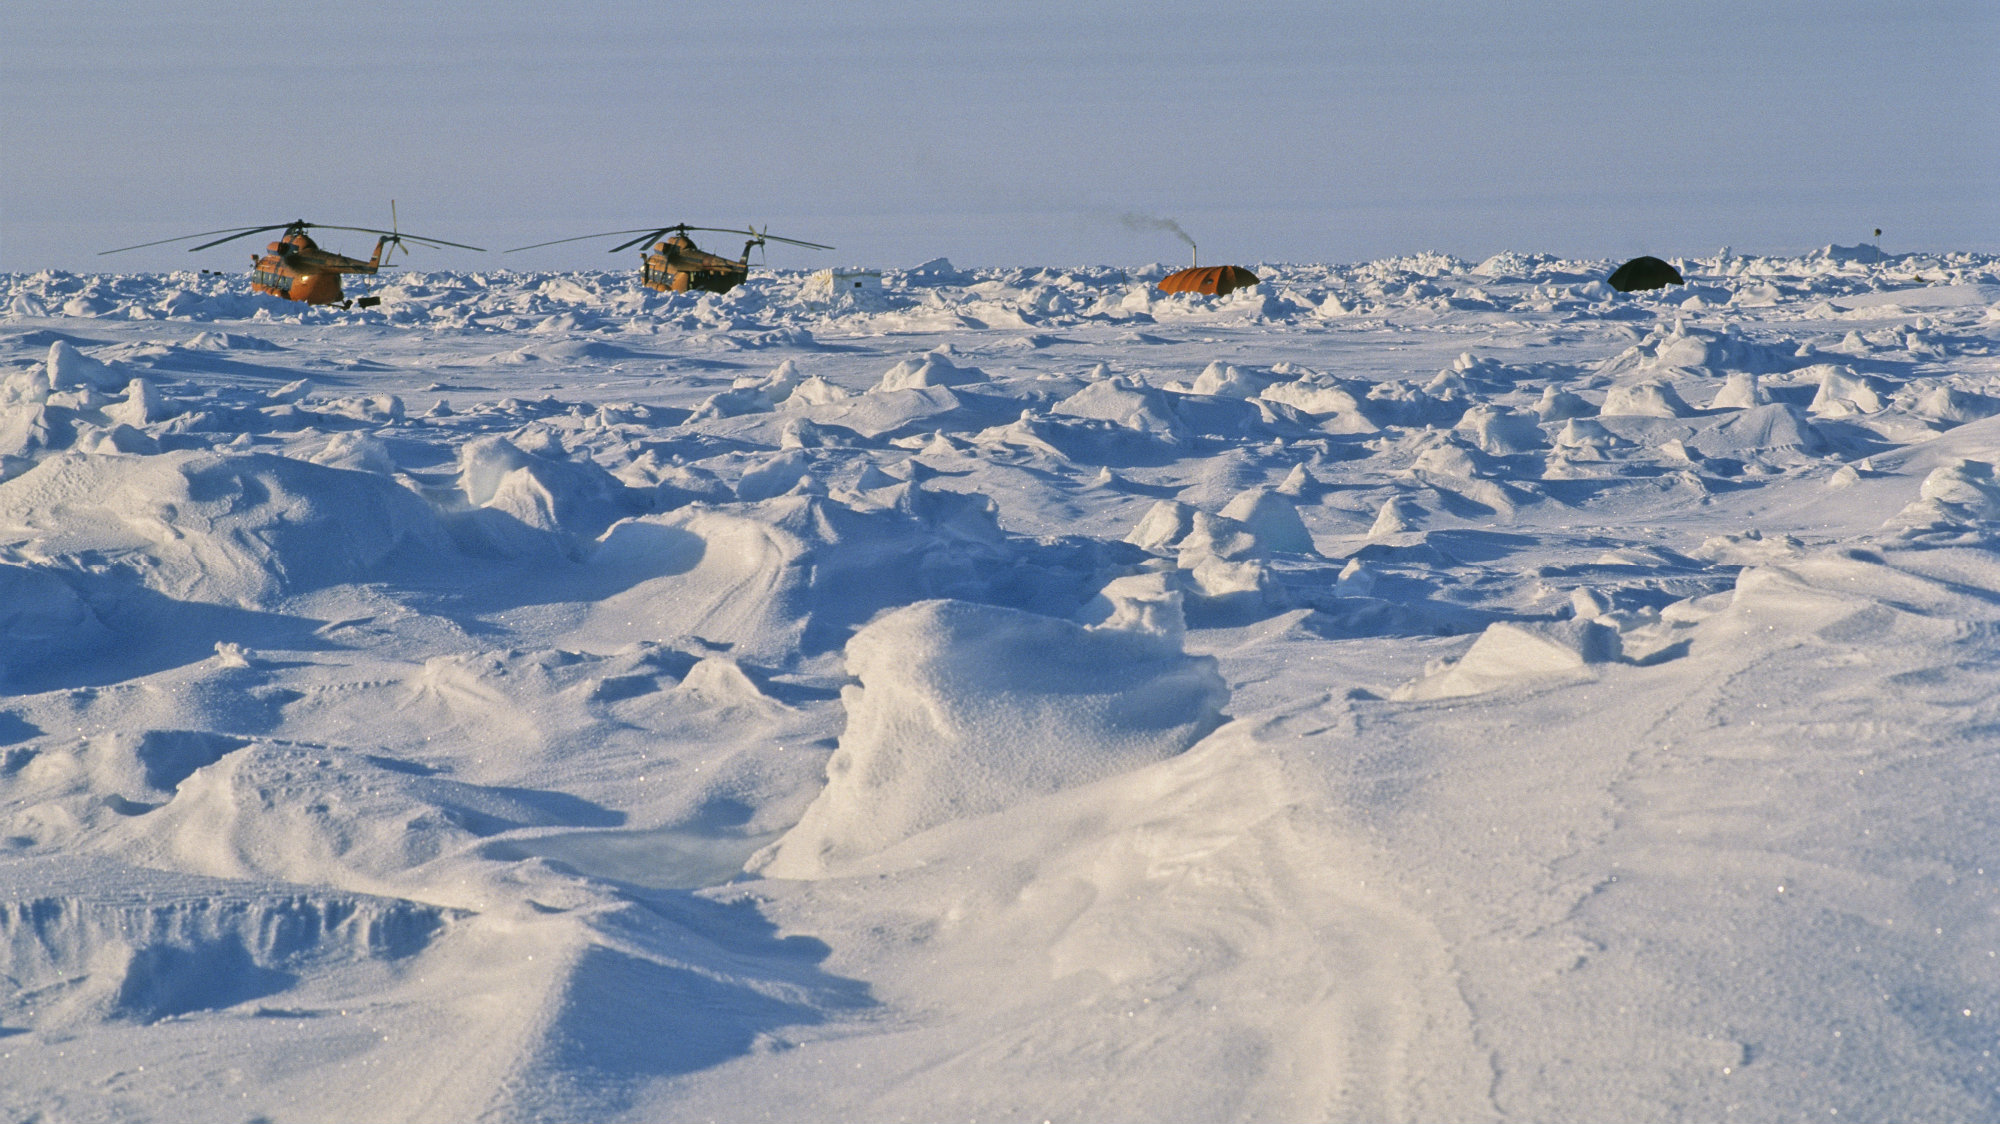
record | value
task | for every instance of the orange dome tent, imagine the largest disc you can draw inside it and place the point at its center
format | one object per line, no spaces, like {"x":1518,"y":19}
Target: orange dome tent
{"x":1215,"y":280}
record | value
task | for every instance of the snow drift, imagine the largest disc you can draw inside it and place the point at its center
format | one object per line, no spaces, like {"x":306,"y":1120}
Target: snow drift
{"x":1411,"y":690}
{"x":964,"y":710}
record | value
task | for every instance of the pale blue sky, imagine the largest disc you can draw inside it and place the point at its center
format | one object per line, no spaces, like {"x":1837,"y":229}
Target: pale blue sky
{"x":1003,"y":134}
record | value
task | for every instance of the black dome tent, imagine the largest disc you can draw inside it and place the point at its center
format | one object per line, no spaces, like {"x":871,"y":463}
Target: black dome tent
{"x":1644,"y":273}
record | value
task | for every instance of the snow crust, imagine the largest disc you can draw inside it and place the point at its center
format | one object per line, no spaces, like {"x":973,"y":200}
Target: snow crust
{"x":1407,"y":690}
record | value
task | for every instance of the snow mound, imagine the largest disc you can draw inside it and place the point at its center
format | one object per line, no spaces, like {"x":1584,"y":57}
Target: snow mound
{"x":1513,"y":653}
{"x":1647,"y":398}
{"x":1777,"y":428}
{"x":795,"y":569}
{"x":964,"y":709}
{"x":1228,"y":381}
{"x":218,"y":527}
{"x":1500,"y":431}
{"x":1948,"y":404}
{"x":1957,"y":495}
{"x":1741,"y":391}
{"x":70,"y":369}
{"x":934,"y":369}
{"x":814,"y":391}
{"x":1272,"y":518}
{"x":1325,"y":397}
{"x":1842,"y":392}
{"x":531,"y":502}
{"x":1557,"y":404}
{"x":1862,"y":253}
{"x":357,"y":450}
{"x":1677,"y":347}
{"x":1258,"y":522}
{"x":1124,"y":400}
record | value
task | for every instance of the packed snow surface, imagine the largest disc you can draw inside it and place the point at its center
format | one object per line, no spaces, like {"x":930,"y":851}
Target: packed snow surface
{"x":1414,"y":690}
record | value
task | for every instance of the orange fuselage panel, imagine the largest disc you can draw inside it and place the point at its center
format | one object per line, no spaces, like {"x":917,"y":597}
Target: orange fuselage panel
{"x":294,"y":267}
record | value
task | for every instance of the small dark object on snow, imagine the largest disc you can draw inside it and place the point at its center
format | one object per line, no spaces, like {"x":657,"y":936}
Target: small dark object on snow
{"x":1644,"y":273}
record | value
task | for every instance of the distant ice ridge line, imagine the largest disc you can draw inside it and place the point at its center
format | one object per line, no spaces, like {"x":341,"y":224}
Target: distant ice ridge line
{"x":986,"y":298}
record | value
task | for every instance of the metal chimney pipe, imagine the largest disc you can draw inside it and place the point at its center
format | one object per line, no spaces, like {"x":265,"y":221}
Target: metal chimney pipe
{"x":1196,"y":251}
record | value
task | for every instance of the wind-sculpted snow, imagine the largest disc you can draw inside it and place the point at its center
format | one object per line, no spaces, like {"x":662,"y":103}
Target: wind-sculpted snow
{"x":964,"y":710}
{"x":82,"y":950}
{"x":215,"y":526}
{"x":1413,"y":689}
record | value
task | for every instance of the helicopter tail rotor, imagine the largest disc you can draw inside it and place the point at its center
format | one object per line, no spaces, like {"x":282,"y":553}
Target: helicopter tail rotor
{"x":393,"y":241}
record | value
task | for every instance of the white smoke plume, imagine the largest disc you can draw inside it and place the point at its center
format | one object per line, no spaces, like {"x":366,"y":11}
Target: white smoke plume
{"x":1135,"y":221}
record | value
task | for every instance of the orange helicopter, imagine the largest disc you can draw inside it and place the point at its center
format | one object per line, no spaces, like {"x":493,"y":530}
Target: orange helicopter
{"x":295,"y":268}
{"x":677,"y":264}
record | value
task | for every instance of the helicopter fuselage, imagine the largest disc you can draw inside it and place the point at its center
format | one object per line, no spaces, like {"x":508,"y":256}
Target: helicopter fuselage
{"x":295,"y":268}
{"x":677,"y":265}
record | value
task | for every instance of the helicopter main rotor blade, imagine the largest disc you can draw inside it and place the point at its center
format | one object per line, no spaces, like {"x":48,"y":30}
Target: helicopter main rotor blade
{"x":648,"y":237}
{"x":418,"y":238}
{"x":755,"y":234}
{"x":233,"y":232}
{"x":242,"y":234}
{"x":647,"y":234}
{"x":421,"y":241}
{"x":230,"y":234}
{"x":578,"y":238}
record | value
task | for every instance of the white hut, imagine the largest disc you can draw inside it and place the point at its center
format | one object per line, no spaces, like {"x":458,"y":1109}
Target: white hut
{"x":831,"y":284}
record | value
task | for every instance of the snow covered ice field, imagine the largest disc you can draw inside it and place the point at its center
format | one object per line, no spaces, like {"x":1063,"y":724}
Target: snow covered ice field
{"x":1416,"y":690}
